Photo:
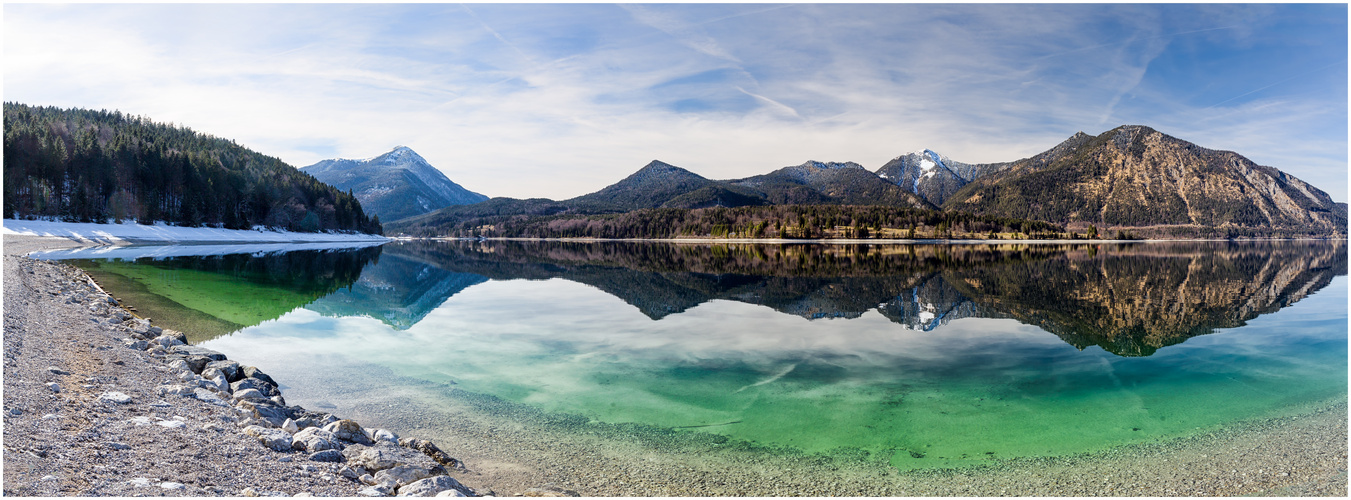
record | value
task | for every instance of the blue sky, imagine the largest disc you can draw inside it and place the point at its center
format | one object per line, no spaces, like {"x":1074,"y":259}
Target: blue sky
{"x":558,"y":100}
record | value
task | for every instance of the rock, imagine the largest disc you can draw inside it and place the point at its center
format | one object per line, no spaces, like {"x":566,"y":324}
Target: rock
{"x":384,"y":435}
{"x":402,"y":474}
{"x":230,"y":368}
{"x":248,"y":492}
{"x":192,"y":350}
{"x":15,"y":412}
{"x":176,"y":389}
{"x":367,"y":478}
{"x":170,"y":485}
{"x":290,"y":426}
{"x":275,"y":439}
{"x":383,"y":456}
{"x":374,"y":491}
{"x":265,"y":410}
{"x":434,"y":486}
{"x":265,"y":387}
{"x":326,"y":456}
{"x":167,"y":341}
{"x":57,"y":371}
{"x":113,"y":445}
{"x":208,"y":396}
{"x":451,"y":493}
{"x":249,"y":395}
{"x":254,"y":372}
{"x":154,"y":331}
{"x":348,"y":430}
{"x":429,"y":449}
{"x":115,"y":397}
{"x":314,"y":439}
{"x":139,"y":345}
{"x":178,"y":366}
{"x":171,"y":424}
{"x":55,"y":387}
{"x":354,"y":472}
{"x":216,"y":383}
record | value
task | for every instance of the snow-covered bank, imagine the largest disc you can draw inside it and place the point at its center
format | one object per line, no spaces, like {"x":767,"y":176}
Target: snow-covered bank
{"x":129,"y":232}
{"x":195,"y":250}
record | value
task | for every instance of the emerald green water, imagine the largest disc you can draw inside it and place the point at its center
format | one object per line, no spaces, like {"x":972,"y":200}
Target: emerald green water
{"x":935,"y":356}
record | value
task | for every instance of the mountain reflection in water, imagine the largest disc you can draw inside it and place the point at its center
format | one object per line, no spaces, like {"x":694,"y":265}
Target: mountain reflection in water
{"x":1129,"y":299}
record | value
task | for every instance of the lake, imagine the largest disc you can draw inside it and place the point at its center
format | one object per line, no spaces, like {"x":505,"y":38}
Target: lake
{"x":917,"y":356}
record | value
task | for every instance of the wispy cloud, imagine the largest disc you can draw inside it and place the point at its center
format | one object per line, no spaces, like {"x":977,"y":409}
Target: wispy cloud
{"x":560,"y":100}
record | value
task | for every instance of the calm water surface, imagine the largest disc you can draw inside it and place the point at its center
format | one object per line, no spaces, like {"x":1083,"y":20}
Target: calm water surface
{"x":929,"y":355}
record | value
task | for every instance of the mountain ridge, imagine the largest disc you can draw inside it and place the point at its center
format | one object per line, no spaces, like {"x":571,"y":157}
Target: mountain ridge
{"x":387,"y":183}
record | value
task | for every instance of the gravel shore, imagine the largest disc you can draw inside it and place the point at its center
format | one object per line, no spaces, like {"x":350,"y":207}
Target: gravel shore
{"x":64,"y":435}
{"x":86,"y":411}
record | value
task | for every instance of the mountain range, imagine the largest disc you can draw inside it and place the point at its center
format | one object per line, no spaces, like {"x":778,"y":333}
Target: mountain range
{"x":1128,"y":177}
{"x":394,"y":185}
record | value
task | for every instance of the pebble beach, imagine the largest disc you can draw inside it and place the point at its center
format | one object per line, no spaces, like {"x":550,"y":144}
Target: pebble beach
{"x":92,"y":407}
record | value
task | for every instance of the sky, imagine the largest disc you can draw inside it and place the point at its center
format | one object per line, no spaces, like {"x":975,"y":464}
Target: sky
{"x":559,"y":100}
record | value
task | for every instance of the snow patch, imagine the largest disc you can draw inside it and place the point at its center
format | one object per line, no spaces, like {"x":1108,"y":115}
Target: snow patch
{"x":163,"y":233}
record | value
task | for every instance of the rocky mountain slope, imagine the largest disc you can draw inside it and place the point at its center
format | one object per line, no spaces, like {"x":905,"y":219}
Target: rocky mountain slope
{"x":1135,"y":176}
{"x":394,"y":185}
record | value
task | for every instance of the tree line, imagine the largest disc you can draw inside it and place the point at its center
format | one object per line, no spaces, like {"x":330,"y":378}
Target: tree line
{"x":776,"y":221}
{"x":80,"y":165}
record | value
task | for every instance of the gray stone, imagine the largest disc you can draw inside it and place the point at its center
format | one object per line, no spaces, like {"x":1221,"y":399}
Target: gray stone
{"x":431,"y":450}
{"x":231,"y":369}
{"x":434,"y":486}
{"x":167,"y":341}
{"x":139,"y":345}
{"x":216,"y":383}
{"x":384,"y":435}
{"x":401,"y":475}
{"x":314,"y":439}
{"x":249,"y":395}
{"x":383,"y":456}
{"x":55,"y":387}
{"x":265,"y":410}
{"x":118,"y":446}
{"x":176,"y":389}
{"x":192,"y":350}
{"x":254,"y":372}
{"x":290,"y":426}
{"x":57,"y":371}
{"x":154,"y":331}
{"x":326,"y":456}
{"x":452,"y":493}
{"x":170,"y":485}
{"x":375,"y":491}
{"x":115,"y":397}
{"x":268,"y":389}
{"x":348,"y":430}
{"x":209,"y":396}
{"x":275,"y":439}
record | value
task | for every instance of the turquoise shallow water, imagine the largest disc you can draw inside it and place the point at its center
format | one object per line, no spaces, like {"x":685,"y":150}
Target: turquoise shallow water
{"x":940,"y":364}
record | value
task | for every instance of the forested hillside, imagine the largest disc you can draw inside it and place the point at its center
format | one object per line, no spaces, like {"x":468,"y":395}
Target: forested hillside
{"x":98,"y":166}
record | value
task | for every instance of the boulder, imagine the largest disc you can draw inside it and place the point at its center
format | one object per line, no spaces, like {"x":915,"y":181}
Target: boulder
{"x":290,"y":426}
{"x":192,"y":350}
{"x":348,"y":430}
{"x":435,"y":486}
{"x":401,"y":475}
{"x":326,"y":456}
{"x":254,"y":372}
{"x":208,"y":396}
{"x":375,"y":491}
{"x":166,"y":341}
{"x":383,"y":455}
{"x":139,"y":345}
{"x":431,"y":450}
{"x":267,"y":388}
{"x":314,"y":439}
{"x":275,"y":439}
{"x":249,"y":395}
{"x":265,"y":410}
{"x":231,"y":369}
{"x":383,"y":435}
{"x":176,"y":389}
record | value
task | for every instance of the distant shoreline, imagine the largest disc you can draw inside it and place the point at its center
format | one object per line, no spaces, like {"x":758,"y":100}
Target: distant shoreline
{"x":847,"y":241}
